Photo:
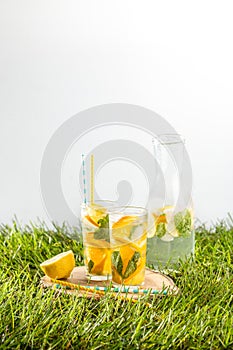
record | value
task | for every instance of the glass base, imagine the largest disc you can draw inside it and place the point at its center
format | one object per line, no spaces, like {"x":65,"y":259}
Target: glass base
{"x":99,"y":278}
{"x":126,"y":287}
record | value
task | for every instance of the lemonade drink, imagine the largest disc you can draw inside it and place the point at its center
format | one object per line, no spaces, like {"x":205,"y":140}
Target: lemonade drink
{"x":128,"y":241}
{"x":170,"y":237}
{"x":96,"y":240}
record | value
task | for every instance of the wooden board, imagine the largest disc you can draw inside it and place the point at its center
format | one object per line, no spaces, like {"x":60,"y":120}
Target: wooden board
{"x":153,"y":281}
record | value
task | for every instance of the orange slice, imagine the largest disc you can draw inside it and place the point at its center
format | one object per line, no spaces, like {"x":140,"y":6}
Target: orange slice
{"x":101,"y":257}
{"x":160,"y":218}
{"x":126,"y":252}
{"x":88,"y":218}
{"x":124,"y":221}
{"x":115,"y":276}
{"x":96,"y":212}
{"x":137,"y":277}
{"x":122,"y":227}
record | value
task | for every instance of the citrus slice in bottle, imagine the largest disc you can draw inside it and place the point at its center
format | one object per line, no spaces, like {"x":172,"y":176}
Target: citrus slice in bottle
{"x":166,"y":207}
{"x":160,"y":223}
{"x":162,"y":218}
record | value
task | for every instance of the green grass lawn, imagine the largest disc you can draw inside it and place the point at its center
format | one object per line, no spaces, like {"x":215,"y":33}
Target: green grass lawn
{"x":200,"y":317}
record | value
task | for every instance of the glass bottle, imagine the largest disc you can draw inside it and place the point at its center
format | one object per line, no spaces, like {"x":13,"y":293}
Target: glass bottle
{"x":171,"y":235}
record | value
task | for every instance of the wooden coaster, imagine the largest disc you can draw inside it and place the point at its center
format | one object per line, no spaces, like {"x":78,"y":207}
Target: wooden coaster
{"x":155,"y":284}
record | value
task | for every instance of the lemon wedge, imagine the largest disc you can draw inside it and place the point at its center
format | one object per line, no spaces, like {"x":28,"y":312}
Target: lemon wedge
{"x":60,"y":266}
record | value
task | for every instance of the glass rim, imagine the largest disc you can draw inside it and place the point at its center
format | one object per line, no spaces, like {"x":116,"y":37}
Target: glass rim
{"x":169,"y":138}
{"x":139,"y":211}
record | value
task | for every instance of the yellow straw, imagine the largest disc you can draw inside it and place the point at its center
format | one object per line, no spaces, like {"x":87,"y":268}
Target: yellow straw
{"x":92,"y":179}
{"x":101,"y":293}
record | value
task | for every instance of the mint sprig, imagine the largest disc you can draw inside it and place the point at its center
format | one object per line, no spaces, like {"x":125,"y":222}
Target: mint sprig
{"x":131,"y":267}
{"x":183,"y":223}
{"x":160,"y":229}
{"x":103,"y":231}
{"x":90,"y":265}
{"x":117,"y":262}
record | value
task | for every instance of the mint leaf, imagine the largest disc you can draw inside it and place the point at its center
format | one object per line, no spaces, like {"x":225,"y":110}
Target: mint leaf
{"x":132,"y":265}
{"x":160,"y":229}
{"x":183,"y":223}
{"x":117,"y":262}
{"x":103,"y":231}
{"x":90,"y":265}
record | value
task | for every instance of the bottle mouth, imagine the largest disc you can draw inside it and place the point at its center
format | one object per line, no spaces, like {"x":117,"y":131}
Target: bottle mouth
{"x":169,"y":139}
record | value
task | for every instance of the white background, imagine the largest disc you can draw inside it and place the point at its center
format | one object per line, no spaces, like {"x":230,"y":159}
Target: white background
{"x":60,"y":57}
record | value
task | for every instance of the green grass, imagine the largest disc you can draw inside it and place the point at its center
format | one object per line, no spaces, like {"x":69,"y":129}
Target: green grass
{"x":31,"y":318}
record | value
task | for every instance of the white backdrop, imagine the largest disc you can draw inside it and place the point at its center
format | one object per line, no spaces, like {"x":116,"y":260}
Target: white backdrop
{"x":60,"y":57}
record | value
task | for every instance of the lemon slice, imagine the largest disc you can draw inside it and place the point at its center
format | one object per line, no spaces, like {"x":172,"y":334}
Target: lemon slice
{"x":124,"y":221}
{"x":158,"y":228}
{"x":162,"y":217}
{"x":100,"y":259}
{"x":89,"y":221}
{"x":164,"y":210}
{"x":96,"y":212}
{"x":167,"y":207}
{"x":123,"y":227}
{"x":60,"y":266}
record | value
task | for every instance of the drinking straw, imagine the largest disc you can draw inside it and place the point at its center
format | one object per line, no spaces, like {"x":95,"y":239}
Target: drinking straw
{"x":93,"y":290}
{"x":100,"y":290}
{"x":84,"y":180}
{"x":92,"y":179}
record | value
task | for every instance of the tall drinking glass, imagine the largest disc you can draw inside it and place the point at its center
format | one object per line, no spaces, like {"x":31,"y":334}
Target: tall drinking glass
{"x":128,"y":226}
{"x":171,"y":235}
{"x":96,"y":239}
